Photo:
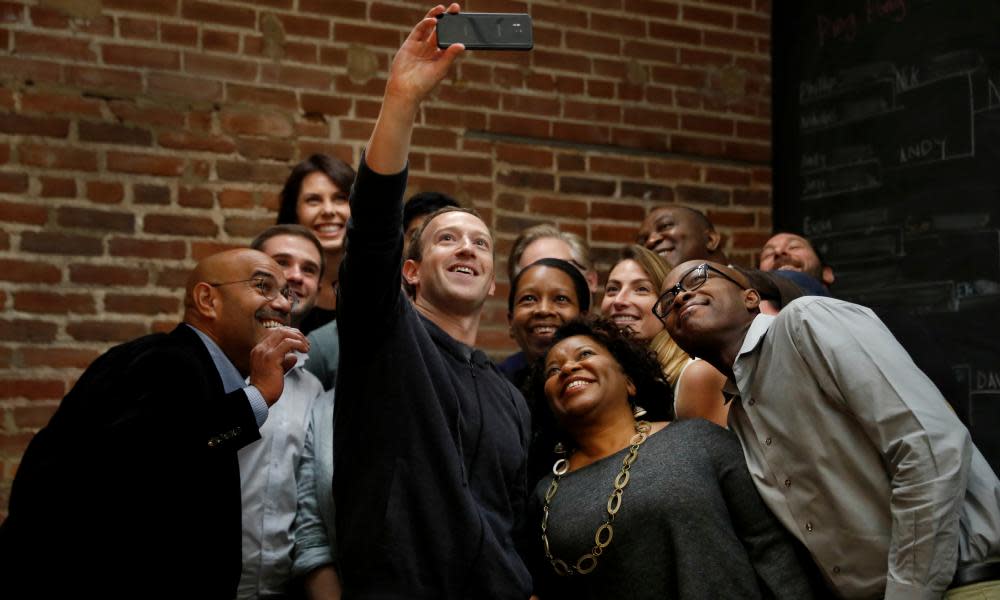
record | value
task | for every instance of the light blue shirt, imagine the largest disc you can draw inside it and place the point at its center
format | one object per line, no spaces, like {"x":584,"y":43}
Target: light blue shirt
{"x":231,"y":378}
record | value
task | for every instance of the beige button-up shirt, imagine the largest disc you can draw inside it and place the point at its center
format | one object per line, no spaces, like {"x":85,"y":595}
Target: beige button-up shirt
{"x":858,"y":454}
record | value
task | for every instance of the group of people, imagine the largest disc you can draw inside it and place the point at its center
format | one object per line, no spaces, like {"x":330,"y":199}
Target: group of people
{"x":321,"y":425}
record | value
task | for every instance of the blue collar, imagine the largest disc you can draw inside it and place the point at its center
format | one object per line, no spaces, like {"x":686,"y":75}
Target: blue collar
{"x":230,"y":375}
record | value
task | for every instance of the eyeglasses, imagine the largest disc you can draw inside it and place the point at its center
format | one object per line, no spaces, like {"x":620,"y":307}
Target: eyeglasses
{"x":266,"y":287}
{"x":690,"y":281}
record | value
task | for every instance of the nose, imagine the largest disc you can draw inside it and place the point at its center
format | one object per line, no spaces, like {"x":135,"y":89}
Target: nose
{"x":328,"y":207}
{"x":620,"y":299}
{"x":568,"y":367}
{"x":281,"y":304}
{"x":544,"y":307}
{"x":466,"y":246}
{"x":681,"y":298}
{"x":293,"y":274}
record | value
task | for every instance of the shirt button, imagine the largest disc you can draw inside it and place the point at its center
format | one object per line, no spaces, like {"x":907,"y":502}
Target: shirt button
{"x":751,"y":402}
{"x":788,"y":483}
{"x":836,"y":569}
{"x":809,"y":526}
{"x":767,"y":442}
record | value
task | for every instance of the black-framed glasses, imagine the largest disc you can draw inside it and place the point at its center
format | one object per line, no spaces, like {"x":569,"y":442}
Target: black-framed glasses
{"x":690,"y":281}
{"x":266,"y":287}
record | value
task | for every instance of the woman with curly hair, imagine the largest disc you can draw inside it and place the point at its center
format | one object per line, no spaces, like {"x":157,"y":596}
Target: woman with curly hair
{"x":645,"y":508}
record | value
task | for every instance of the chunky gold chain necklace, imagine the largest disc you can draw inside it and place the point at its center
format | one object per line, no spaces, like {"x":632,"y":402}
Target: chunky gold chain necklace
{"x":602,"y":538}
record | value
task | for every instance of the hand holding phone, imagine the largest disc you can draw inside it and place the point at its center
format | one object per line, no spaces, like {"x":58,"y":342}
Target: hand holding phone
{"x":485,"y":31}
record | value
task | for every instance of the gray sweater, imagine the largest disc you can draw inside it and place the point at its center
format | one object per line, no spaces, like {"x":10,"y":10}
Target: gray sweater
{"x":691,"y":525}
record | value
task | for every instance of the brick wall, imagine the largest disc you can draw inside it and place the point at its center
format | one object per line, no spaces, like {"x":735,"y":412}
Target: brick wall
{"x":137,"y":136}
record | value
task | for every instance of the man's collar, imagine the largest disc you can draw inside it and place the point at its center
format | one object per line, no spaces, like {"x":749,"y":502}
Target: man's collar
{"x":230,"y":375}
{"x":755,"y":335}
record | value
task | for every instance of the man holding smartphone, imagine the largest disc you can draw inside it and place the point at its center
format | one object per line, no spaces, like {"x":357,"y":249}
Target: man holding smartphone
{"x":430,"y":452}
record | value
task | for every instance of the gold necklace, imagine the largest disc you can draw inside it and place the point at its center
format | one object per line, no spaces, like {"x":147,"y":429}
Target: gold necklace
{"x":602,"y":538}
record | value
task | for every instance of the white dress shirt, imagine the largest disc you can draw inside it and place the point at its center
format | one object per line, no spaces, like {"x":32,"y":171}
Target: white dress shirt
{"x":858,"y":454}
{"x":268,"y":484}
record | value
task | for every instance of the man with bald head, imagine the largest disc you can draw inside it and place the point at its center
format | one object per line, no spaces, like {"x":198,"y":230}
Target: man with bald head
{"x":792,"y":252}
{"x":133,"y":488}
{"x":679,"y":233}
{"x":848,"y":442}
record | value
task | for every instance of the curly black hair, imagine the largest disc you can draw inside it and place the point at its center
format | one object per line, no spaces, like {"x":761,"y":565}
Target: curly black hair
{"x":638,"y":362}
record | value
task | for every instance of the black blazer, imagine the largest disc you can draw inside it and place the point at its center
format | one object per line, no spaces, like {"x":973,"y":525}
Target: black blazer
{"x":133,"y":488}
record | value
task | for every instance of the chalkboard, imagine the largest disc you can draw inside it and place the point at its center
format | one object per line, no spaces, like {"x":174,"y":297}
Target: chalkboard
{"x":887,"y":157}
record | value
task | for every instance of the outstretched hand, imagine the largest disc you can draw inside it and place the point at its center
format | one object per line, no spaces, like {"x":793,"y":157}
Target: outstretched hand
{"x":272,"y":357}
{"x":419,"y":65}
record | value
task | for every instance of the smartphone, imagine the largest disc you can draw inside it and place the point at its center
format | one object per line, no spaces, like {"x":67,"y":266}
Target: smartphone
{"x":485,"y":31}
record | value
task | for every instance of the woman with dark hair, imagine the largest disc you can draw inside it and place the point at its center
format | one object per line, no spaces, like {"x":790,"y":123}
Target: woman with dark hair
{"x":645,"y":509}
{"x":315,"y":196}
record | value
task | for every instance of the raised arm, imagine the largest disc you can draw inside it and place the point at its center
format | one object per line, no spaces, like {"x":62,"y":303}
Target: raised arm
{"x":418,"y":67}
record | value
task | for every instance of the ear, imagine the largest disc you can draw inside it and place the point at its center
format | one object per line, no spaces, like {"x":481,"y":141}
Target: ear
{"x":827,"y":276}
{"x":712,"y":239}
{"x":630,"y":386}
{"x":205,"y":300}
{"x":591,"y":277}
{"x":751,"y":300}
{"x":411,"y":272}
{"x":493,"y":286}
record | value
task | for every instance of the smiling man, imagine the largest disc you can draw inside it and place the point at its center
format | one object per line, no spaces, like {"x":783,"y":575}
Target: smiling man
{"x":791,"y":252}
{"x":850,"y":445}
{"x":132,"y":489}
{"x":430,"y":443}
{"x":679,"y":233}
{"x":269,"y":466}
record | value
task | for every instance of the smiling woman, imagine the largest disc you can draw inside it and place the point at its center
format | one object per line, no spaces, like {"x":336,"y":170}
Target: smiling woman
{"x":642,"y":509}
{"x":315,"y":196}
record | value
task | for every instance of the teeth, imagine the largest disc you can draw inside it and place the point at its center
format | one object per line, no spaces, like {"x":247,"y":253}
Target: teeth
{"x":465,"y":270}
{"x":329,"y":228}
{"x":579,"y":383}
{"x":270,"y":324}
{"x":545,"y":329}
{"x":624,"y":318}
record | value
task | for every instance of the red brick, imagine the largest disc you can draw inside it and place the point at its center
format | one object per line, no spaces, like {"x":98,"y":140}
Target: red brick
{"x":105,"y":331}
{"x":700,"y":146}
{"x":745,"y":22}
{"x":140,"y":29}
{"x":50,"y":45}
{"x":265,"y":148}
{"x":752,"y":198}
{"x":49,"y":302}
{"x":247,"y":227}
{"x":200,"y":250}
{"x":674,"y":171}
{"x":548,"y":205}
{"x":565,"y":17}
{"x":27,"y":330}
{"x":246,"y":172}
{"x":11,"y":13}
{"x":57,"y":187}
{"x":582,"y":185}
{"x":263,"y":95}
{"x":6,"y":357}
{"x":524,"y":155}
{"x":301,"y":52}
{"x":691,"y":57}
{"x":326,"y":105}
{"x":515,"y":125}
{"x":22,"y":69}
{"x":753,"y":153}
{"x":351,"y":9}
{"x":452,"y":117}
{"x":299,"y":77}
{"x":235,"y":199}
{"x":182,"y":35}
{"x":728,"y":218}
{"x":679,"y":76}
{"x":305,"y":26}
{"x":581,"y":133}
{"x":45,"y":242}
{"x":184,"y":140}
{"x":734,"y":177}
{"x":4,"y":153}
{"x":525,"y":179}
{"x":141,"y":304}
{"x":256,"y":123}
{"x":365,"y":34}
{"x":105,"y":192}
{"x":690,"y":194}
{"x":400,"y":15}
{"x":104,"y":81}
{"x":620,"y":234}
{"x":647,"y":191}
{"x":209,"y":12}
{"x":335,"y":57}
{"x":160,"y":7}
{"x":107,"y":275}
{"x":32,"y":389}
{"x":195,"y":197}
{"x":730,"y":41}
{"x":55,"y":157}
{"x":219,"y":66}
{"x":45,"y":102}
{"x":187,"y":88}
{"x":620,"y":212}
{"x":23,"y":271}
{"x":141,"y":56}
{"x":657,"y":52}
{"x":589,"y":111}
{"x":180,"y":225}
{"x":708,"y":16}
{"x":147,"y":248}
{"x":150,"y":194}
{"x":669,"y":32}
{"x":113,"y":133}
{"x":172,"y":278}
{"x":560,"y":61}
{"x":145,"y":164}
{"x":29,"y":214}
{"x":36,"y":416}
{"x":43,"y":126}
{"x":218,"y":41}
{"x":370,"y":87}
{"x":461,"y":164}
{"x":706,"y":124}
{"x":13,"y":183}
{"x":599,"y":44}
{"x":100,"y":220}
{"x":57,"y":357}
{"x":630,"y":167}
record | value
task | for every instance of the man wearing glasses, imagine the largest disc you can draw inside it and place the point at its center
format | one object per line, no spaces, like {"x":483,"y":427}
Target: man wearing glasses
{"x":848,"y":442}
{"x":133,"y":488}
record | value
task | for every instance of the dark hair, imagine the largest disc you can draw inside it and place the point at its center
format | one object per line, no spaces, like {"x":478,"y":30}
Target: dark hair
{"x":579,"y":282}
{"x":415,"y":251}
{"x":771,"y":286}
{"x":425,"y":203}
{"x":339,"y":172}
{"x":637,"y":361}
{"x":296,"y":230}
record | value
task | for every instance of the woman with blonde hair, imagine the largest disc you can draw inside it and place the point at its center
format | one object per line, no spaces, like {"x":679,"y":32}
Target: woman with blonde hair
{"x":634,"y":284}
